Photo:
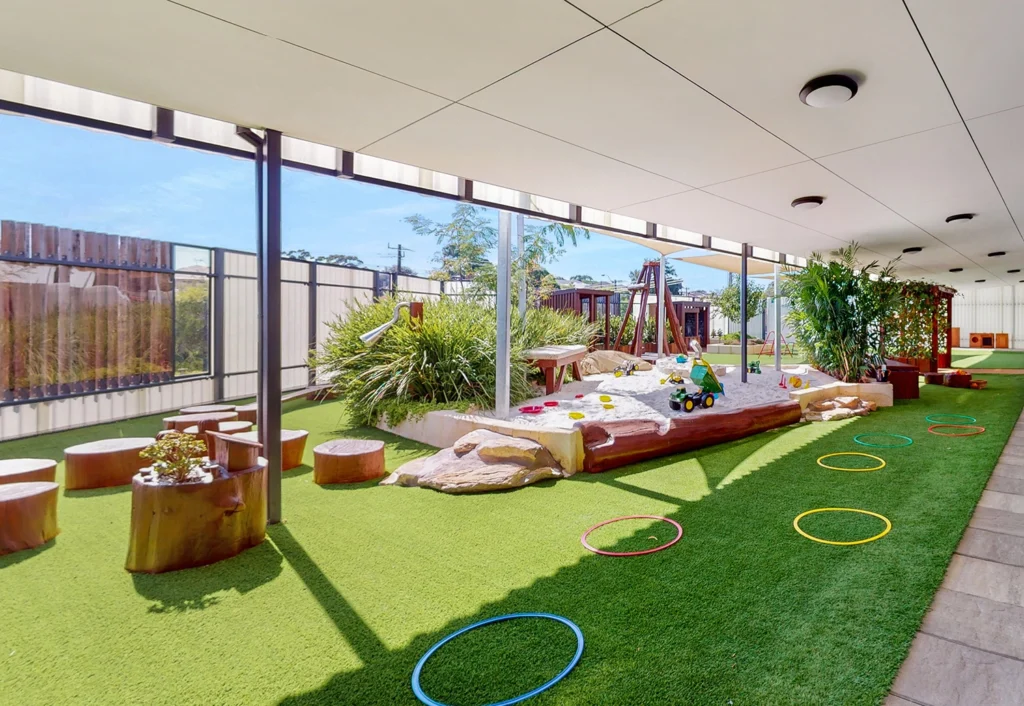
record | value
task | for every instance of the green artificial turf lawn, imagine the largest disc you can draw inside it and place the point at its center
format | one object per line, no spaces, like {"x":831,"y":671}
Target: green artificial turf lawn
{"x":978,"y":358}
{"x":345,"y":596}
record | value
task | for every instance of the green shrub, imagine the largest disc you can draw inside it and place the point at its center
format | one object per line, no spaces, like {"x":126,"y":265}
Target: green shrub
{"x":447,"y":362}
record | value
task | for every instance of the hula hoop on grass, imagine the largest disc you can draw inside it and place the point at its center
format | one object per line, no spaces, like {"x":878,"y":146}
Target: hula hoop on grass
{"x":931,"y":418}
{"x":422,"y":696}
{"x":883,"y":518}
{"x":880,"y":466}
{"x":679,"y":535}
{"x":857,"y":439}
{"x":933,"y":427}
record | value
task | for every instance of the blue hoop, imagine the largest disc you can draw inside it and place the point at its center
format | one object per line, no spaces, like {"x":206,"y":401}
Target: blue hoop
{"x":418,"y":691}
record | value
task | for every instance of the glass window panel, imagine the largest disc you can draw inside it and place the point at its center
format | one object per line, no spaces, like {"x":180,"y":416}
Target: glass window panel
{"x":190,"y":259}
{"x":191,"y":325}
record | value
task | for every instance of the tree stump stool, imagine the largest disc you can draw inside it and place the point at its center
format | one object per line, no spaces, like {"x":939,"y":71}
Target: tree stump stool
{"x":293,"y":446}
{"x":247,"y":412}
{"x":27,"y":470}
{"x":213,"y":425}
{"x":182,"y":525}
{"x":348,"y":461}
{"x":105,"y":463}
{"x":181,"y":422}
{"x":208,"y":409}
{"x":28,"y":515}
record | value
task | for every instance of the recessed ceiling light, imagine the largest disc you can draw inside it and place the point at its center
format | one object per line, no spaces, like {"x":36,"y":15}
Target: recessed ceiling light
{"x":960,"y":217}
{"x":1010,"y":272}
{"x":956,"y":269}
{"x":806,"y":203}
{"x":828,"y":91}
{"x":913,"y":249}
{"x":979,"y":280}
{"x":997,"y":253}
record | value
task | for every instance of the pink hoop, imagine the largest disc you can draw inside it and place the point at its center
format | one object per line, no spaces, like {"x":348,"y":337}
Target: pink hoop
{"x":931,"y":429}
{"x":679,"y":535}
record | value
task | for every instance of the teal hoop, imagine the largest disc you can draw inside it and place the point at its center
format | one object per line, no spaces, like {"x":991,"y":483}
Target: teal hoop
{"x":857,"y":439}
{"x":932,"y":418}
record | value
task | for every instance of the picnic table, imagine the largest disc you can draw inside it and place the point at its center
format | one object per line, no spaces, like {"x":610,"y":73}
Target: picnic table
{"x":553,"y":360}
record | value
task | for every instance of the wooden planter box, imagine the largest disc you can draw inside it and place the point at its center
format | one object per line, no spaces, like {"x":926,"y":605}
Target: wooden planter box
{"x":925,"y":365}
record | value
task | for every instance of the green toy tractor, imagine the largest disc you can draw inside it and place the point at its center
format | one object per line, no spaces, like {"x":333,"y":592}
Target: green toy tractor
{"x":702,"y":374}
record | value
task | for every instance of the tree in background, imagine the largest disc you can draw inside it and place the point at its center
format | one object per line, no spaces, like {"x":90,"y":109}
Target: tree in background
{"x":726,"y":301}
{"x":587,"y":279}
{"x":342,"y":260}
{"x":403,"y":271}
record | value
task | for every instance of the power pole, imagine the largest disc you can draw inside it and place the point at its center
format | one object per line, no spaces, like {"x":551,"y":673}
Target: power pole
{"x":400,"y":249}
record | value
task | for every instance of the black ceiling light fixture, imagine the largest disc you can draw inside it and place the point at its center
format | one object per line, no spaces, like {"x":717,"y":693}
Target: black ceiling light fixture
{"x":997,"y":253}
{"x":960,"y":217}
{"x":956,"y":269}
{"x":806,"y":203}
{"x":979,"y":280}
{"x":828,"y":91}
{"x":1012,"y":272}
{"x":913,"y":249}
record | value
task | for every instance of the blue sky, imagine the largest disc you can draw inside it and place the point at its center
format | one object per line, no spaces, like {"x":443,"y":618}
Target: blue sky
{"x":70,"y":177}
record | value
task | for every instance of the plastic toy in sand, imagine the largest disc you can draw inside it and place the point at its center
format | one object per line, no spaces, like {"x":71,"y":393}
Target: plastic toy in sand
{"x":681,"y":358}
{"x":796,"y":382}
{"x":755,"y":367}
{"x":710,"y":387}
{"x":532,"y":409}
{"x":608,"y":406}
{"x":551,"y":403}
{"x":576,"y":415}
{"x":626,"y":368}
{"x":605,"y":398}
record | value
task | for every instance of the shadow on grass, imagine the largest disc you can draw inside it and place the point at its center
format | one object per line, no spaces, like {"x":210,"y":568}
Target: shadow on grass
{"x":198,"y":588}
{"x":8,"y":560}
{"x":97,"y":492}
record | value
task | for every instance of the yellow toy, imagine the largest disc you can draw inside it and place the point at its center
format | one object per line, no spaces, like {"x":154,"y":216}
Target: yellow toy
{"x":576,"y":415}
{"x":796,"y":382}
{"x":605,"y":398}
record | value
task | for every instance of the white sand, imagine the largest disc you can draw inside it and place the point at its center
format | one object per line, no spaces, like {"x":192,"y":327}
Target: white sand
{"x":643,"y":396}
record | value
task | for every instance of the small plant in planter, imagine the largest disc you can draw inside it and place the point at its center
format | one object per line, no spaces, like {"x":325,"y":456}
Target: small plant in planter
{"x":175,"y":456}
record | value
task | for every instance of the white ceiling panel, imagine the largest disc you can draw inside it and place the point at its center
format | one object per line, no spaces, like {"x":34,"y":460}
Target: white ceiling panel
{"x":166,"y":55}
{"x":708,"y":214}
{"x":460,"y":140}
{"x":977,"y":47}
{"x":610,"y":11}
{"x":929,"y":176}
{"x":756,"y":56}
{"x":606,"y":95}
{"x":448,"y":47}
{"x":847,"y":213}
{"x":1000,"y":138}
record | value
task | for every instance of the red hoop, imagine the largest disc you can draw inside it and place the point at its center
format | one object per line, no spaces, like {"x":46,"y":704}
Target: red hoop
{"x":679,"y":535}
{"x":955,"y":426}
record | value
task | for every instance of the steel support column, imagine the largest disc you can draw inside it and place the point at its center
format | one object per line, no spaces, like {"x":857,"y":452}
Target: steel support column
{"x":743,"y":313}
{"x":524,"y":203}
{"x":270,"y":330}
{"x":502,"y":360}
{"x":314,"y":320}
{"x":663,"y":302}
{"x":778,"y":320}
{"x":218,"y":324}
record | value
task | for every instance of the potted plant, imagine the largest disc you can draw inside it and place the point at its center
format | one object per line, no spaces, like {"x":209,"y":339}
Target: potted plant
{"x":175,"y":456}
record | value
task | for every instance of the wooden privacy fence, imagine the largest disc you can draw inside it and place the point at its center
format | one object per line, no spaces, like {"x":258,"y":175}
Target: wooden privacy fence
{"x":82,"y":312}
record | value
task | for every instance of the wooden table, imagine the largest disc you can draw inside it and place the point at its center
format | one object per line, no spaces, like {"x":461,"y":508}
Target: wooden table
{"x":208,"y":409}
{"x":904,"y":380}
{"x":553,"y":360}
{"x":180,"y":422}
{"x":105,"y":463}
{"x":28,"y":515}
{"x":293,"y":446}
{"x":348,"y":461}
{"x":27,"y":470}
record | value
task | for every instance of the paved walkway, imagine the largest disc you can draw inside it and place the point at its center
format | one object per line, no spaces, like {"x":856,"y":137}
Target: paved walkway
{"x":970,"y":648}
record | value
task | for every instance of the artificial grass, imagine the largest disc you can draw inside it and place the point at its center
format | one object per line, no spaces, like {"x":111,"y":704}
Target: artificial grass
{"x":345,"y":596}
{"x":982,"y":358}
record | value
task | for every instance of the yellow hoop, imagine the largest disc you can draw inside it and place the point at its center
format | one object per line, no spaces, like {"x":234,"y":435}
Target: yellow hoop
{"x":879,"y":467}
{"x":883,"y":518}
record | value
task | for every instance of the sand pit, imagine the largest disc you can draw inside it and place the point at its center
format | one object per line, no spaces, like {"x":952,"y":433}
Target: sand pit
{"x":643,"y":395}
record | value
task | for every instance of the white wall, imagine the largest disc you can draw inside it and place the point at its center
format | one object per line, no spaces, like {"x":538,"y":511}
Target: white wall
{"x":990,"y":310}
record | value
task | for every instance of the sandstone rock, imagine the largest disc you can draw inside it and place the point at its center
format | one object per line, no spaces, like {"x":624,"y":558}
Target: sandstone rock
{"x":812,"y":417}
{"x":822,"y":405}
{"x":473,"y":439}
{"x":861,"y":412}
{"x":833,"y":414}
{"x":869,"y":405}
{"x":847,"y":402}
{"x":480,"y":461}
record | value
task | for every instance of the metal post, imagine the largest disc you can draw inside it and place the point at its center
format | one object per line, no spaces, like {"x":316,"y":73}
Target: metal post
{"x":778,"y":320}
{"x":502,"y":359}
{"x":662,"y":303}
{"x":743,"y":314}
{"x":314,"y":319}
{"x":218,"y":324}
{"x":270,"y":330}
{"x":520,"y":246}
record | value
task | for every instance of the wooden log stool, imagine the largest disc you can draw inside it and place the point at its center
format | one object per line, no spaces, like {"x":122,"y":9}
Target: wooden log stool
{"x":208,"y":409}
{"x":28,"y":515}
{"x":27,"y":470}
{"x":208,"y":425}
{"x":182,"y":525}
{"x":293,"y":446}
{"x":180,"y":422}
{"x":348,"y":461}
{"x":247,"y":412}
{"x":105,"y":463}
